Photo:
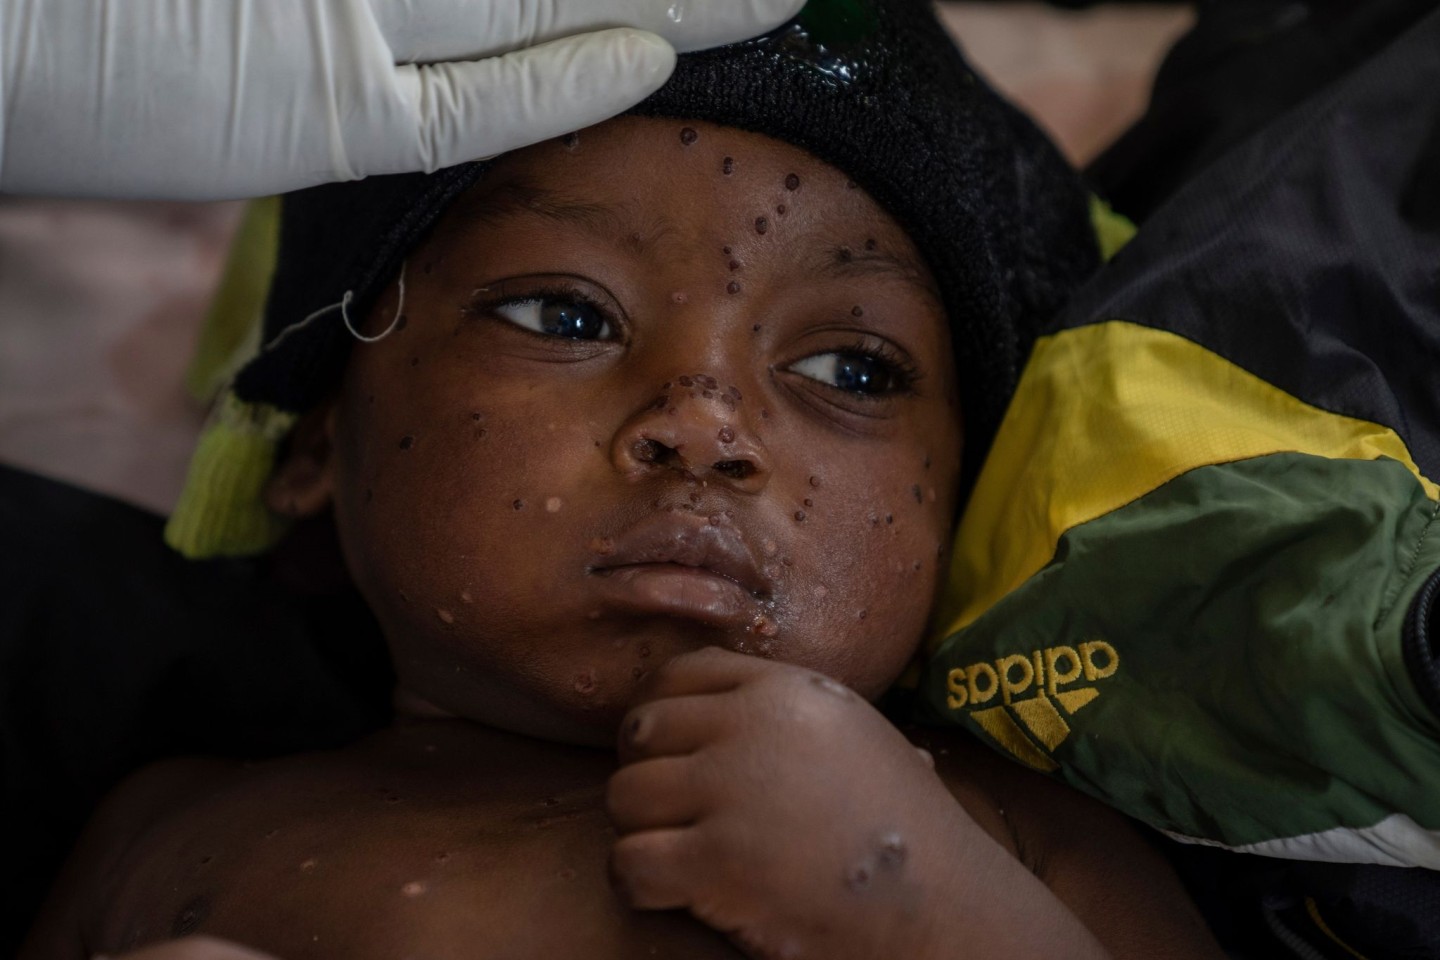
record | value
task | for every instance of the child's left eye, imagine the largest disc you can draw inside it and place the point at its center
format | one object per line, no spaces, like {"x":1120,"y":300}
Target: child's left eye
{"x":558,"y":317}
{"x":854,"y":372}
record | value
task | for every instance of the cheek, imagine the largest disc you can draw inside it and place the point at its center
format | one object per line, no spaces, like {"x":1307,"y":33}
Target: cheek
{"x":435,"y":494}
{"x":870,"y":556}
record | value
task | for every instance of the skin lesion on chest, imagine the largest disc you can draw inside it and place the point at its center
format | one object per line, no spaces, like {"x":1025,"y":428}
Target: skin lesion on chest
{"x":395,"y":871}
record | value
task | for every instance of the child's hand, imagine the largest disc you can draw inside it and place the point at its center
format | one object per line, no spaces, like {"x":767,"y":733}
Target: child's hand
{"x":781,"y":808}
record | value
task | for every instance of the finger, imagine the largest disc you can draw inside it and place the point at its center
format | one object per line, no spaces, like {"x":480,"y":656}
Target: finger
{"x":653,"y":795}
{"x":657,"y":869}
{"x":675,"y":726}
{"x":487,"y":107}
{"x":701,"y":24}
{"x":429,"y":31}
{"x":705,"y":671}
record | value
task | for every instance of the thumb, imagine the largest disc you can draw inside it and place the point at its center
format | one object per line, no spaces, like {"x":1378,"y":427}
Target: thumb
{"x":474,"y":109}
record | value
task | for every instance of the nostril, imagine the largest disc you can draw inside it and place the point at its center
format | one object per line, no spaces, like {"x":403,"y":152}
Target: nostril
{"x":735,"y":469}
{"x":651,"y":451}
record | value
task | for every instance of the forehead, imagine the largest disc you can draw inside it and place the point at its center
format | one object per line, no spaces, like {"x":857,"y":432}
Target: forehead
{"x":666,"y":187}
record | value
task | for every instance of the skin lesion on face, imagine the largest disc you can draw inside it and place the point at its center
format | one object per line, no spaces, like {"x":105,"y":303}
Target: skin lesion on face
{"x":641,"y":424}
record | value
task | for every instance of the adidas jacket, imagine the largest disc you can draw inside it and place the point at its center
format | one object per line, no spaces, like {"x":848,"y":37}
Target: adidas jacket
{"x":1200,"y":575}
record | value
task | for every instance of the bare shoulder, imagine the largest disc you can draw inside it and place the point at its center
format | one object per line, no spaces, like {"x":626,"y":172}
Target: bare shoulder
{"x":169,"y":829}
{"x":1091,"y":857}
{"x":68,"y":922}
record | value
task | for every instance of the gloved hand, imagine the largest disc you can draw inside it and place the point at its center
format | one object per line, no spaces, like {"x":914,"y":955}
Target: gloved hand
{"x":206,"y":99}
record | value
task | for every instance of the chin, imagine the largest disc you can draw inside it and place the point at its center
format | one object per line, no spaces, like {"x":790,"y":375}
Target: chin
{"x":578,"y":695}
{"x":581,"y":710}
{"x":580,"y":725}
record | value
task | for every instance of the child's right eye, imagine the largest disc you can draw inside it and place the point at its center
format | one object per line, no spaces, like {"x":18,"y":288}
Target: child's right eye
{"x":557,"y":316}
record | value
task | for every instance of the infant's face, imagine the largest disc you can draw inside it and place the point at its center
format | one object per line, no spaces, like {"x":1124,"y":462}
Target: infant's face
{"x":662,"y":386}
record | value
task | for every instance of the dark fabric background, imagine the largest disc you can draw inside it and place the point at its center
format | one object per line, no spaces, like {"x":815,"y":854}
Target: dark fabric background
{"x":1244,"y":63}
{"x":114,"y":652}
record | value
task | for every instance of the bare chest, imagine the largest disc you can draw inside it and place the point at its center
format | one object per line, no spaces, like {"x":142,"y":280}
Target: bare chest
{"x":395,"y":867}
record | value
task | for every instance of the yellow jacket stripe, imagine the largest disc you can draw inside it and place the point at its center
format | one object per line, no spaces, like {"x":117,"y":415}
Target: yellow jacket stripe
{"x":1106,"y":413}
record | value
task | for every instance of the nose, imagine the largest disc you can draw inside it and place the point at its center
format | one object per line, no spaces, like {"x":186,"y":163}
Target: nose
{"x":698,"y":429}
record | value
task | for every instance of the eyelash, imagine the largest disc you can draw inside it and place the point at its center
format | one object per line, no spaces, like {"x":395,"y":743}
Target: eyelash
{"x":901,"y":367}
{"x":481,"y":306}
{"x":904,"y":371}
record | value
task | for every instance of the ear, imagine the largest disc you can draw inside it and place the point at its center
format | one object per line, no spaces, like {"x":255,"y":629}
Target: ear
{"x":304,"y":481}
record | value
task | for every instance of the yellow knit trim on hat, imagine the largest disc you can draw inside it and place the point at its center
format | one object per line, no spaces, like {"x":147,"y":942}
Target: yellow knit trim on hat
{"x":231,"y":333}
{"x":1112,"y":230}
{"x":222,"y":512}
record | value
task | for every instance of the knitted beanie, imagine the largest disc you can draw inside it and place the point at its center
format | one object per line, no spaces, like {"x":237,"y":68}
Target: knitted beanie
{"x":875,"y":88}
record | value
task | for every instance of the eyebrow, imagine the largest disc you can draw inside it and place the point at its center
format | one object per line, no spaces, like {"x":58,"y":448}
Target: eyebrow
{"x":519,"y":197}
{"x":845,"y":262}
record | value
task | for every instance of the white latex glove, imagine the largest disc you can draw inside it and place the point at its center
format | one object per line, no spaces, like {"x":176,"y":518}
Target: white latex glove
{"x":209,"y":99}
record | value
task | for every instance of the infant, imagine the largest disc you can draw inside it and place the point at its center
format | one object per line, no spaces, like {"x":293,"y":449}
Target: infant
{"x":646,"y":464}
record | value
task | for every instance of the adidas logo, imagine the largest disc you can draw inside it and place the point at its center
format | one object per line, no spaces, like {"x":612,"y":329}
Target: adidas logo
{"x":1046,"y":672}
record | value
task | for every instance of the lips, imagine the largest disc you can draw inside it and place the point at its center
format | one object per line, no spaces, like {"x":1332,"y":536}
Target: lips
{"x":680,"y":565}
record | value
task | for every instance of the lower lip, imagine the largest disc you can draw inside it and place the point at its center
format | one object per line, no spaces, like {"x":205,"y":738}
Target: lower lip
{"x":668,"y":589}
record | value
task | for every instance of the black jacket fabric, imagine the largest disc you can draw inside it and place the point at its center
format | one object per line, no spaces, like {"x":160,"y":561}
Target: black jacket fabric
{"x":115,"y":652}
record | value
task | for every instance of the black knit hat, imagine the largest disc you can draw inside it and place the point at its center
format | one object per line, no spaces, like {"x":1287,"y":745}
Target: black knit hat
{"x":875,"y":88}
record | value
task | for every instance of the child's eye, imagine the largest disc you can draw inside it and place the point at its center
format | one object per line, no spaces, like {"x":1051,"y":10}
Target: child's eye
{"x":854,"y":371}
{"x":558,"y":316}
